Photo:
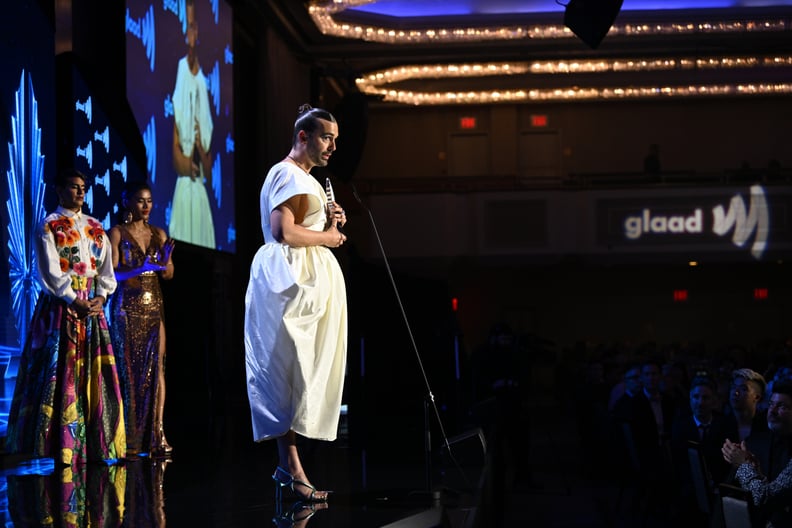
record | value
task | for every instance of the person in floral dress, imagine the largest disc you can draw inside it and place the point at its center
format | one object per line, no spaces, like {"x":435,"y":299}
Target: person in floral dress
{"x":67,"y":400}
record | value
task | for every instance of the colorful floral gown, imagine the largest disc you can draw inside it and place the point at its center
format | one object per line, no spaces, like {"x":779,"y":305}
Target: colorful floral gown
{"x":80,"y":496}
{"x":137,"y":320}
{"x":67,"y":399}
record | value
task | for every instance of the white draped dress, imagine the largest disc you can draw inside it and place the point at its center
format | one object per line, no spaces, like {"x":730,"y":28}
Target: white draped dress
{"x":295,"y":322}
{"x":191,"y":214}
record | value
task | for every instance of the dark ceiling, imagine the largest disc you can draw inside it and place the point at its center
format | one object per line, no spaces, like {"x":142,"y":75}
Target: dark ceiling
{"x":345,"y":59}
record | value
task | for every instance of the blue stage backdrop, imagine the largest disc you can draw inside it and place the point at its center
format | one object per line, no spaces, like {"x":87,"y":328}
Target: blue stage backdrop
{"x":94,"y":141}
{"x":157,"y":35}
{"x":27,"y":159}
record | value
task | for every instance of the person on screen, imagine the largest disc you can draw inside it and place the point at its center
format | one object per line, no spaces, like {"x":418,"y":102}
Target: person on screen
{"x":191,"y":215}
{"x":295,"y":306}
{"x":67,"y":401}
{"x":141,"y":257}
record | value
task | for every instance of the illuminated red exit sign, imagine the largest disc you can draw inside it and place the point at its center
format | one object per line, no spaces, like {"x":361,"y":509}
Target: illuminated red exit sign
{"x":467,"y":123}
{"x":538,"y":120}
{"x":680,"y":295}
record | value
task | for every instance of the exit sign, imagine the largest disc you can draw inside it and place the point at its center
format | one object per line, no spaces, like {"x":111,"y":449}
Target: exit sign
{"x":467,"y":123}
{"x":538,"y":120}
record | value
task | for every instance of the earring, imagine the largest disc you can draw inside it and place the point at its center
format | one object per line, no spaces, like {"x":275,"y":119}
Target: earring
{"x":128,"y":217}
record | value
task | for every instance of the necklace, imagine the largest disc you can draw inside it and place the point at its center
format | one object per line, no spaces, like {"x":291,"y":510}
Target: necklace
{"x":296,"y":162}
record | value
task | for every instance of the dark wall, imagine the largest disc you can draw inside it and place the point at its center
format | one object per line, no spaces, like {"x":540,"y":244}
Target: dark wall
{"x":592,"y":137}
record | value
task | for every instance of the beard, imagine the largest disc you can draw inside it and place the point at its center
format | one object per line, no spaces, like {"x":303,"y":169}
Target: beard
{"x":781,"y":428}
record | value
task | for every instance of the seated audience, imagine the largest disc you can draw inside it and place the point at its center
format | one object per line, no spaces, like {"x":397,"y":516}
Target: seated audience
{"x":708,"y":428}
{"x":782,"y":371}
{"x":591,"y":406}
{"x":618,"y":389}
{"x":747,"y":390}
{"x":772,"y":494}
{"x":675,"y":383}
{"x":647,"y":415}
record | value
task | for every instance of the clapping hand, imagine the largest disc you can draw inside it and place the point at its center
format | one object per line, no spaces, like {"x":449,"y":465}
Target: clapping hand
{"x":165,"y":252}
{"x":159,"y":261}
{"x":736,"y":454}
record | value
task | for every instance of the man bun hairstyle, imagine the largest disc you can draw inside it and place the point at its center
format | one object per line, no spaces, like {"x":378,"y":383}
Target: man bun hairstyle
{"x":308,"y":120}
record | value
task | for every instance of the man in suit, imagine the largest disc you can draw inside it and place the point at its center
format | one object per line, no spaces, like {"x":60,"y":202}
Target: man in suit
{"x":646,"y":416}
{"x":649,"y":414}
{"x":708,"y":429}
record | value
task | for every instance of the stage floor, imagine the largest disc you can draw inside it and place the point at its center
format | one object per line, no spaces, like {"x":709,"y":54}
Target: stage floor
{"x":219,"y":478}
{"x":225,"y":481}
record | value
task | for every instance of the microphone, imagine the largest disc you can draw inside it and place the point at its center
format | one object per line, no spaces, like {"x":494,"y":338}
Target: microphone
{"x":330,"y":195}
{"x":330,"y":200}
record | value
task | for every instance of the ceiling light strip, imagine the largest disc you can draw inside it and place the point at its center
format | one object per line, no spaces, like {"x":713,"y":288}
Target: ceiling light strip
{"x":444,"y":71}
{"x":579,"y":94}
{"x":322,"y":16}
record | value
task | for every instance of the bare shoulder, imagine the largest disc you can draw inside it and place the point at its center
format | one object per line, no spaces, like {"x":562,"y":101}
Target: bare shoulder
{"x":114,"y":233}
{"x":161,"y":232}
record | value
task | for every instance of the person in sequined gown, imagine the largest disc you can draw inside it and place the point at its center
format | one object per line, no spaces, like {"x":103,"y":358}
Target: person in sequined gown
{"x":67,"y":399}
{"x":141,"y":257}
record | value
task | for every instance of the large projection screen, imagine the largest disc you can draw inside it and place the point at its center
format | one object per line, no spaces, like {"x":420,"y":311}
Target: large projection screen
{"x":183,"y":105}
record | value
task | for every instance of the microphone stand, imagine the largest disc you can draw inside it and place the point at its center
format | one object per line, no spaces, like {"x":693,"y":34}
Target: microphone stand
{"x":429,"y":402}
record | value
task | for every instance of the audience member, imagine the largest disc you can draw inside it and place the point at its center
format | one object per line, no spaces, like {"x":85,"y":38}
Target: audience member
{"x":500,"y":370}
{"x":723,"y":370}
{"x":771,"y":490}
{"x":771,"y":446}
{"x":675,"y":383}
{"x":645,"y":417}
{"x":591,"y":406}
{"x":651,"y":162}
{"x":747,"y":389}
{"x":629,"y":384}
{"x":709,"y":429}
{"x":662,"y":406}
{"x":782,"y":371}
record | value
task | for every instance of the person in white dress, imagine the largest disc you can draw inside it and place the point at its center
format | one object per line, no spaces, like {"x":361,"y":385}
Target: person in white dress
{"x":295,"y":306}
{"x":191,"y":214}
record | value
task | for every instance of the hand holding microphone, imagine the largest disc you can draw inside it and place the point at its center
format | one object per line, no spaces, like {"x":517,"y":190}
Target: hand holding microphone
{"x":335,"y":213}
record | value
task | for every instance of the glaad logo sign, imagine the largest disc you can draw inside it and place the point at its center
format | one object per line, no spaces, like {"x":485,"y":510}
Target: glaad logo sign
{"x":756,"y":220}
{"x":635,"y":226}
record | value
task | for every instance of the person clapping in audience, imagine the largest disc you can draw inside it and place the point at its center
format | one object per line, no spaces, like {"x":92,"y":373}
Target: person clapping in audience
{"x":772,"y":496}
